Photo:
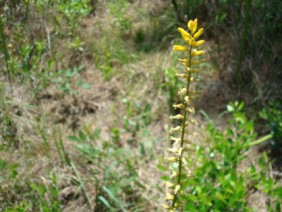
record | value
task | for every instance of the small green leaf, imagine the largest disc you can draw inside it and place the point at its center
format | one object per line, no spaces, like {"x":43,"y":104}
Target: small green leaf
{"x":161,"y":168}
{"x":111,"y":195}
{"x":86,"y":85}
{"x":142,"y":149}
{"x":240,"y":117}
{"x":73,"y":138}
{"x":230,"y":108}
{"x":103,"y":200}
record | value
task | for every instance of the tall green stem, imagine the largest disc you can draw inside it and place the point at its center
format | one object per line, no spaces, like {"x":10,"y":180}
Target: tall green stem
{"x":183,"y":125}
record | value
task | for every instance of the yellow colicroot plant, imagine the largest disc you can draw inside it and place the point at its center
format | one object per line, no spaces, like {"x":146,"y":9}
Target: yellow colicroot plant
{"x":179,"y":139}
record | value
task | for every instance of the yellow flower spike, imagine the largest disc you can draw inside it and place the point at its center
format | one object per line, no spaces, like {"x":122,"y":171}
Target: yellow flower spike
{"x":197,"y":53}
{"x":180,"y":48}
{"x":185,"y":35}
{"x":178,"y":106}
{"x":180,"y":145}
{"x":199,"y":33}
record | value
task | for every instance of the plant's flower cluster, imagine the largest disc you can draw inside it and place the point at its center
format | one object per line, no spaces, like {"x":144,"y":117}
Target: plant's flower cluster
{"x":178,"y":164}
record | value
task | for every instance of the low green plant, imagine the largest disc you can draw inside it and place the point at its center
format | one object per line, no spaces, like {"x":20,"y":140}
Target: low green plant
{"x":118,"y":10}
{"x":64,"y":80}
{"x":41,"y":190}
{"x":272,"y":114}
{"x":219,"y":181}
{"x":108,"y":157}
{"x":73,"y":10}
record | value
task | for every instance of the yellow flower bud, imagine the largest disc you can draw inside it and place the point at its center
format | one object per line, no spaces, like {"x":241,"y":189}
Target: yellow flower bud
{"x":196,"y":62}
{"x":169,"y":196}
{"x":192,"y":79}
{"x":170,"y":185}
{"x":174,"y":174}
{"x":199,"y":33}
{"x":177,"y":140}
{"x":176,"y":189}
{"x":195,"y":25}
{"x":200,"y":42}
{"x":190,"y":24}
{"x":185,"y":35}
{"x":172,"y":159}
{"x":186,"y":99}
{"x":181,"y":75}
{"x":178,"y":128}
{"x":177,"y":117}
{"x":180,"y":48}
{"x":173,"y":150}
{"x":179,"y":106}
{"x":197,"y":53}
{"x":190,"y":110}
{"x":184,"y":61}
{"x":182,"y":92}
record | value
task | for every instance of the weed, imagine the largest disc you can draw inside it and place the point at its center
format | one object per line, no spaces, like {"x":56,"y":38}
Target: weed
{"x":48,"y":205}
{"x":64,"y":78}
{"x":273,"y":116}
{"x":219,"y":182}
{"x":179,"y":166}
{"x":113,"y":184}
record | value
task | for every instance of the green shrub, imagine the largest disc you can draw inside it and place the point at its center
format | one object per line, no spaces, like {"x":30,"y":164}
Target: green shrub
{"x":219,"y":181}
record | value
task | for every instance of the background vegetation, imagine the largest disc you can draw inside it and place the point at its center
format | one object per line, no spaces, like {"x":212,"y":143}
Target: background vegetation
{"x":86,"y":89}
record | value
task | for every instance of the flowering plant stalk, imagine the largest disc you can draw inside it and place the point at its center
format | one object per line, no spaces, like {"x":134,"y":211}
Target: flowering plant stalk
{"x":179,"y":139}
